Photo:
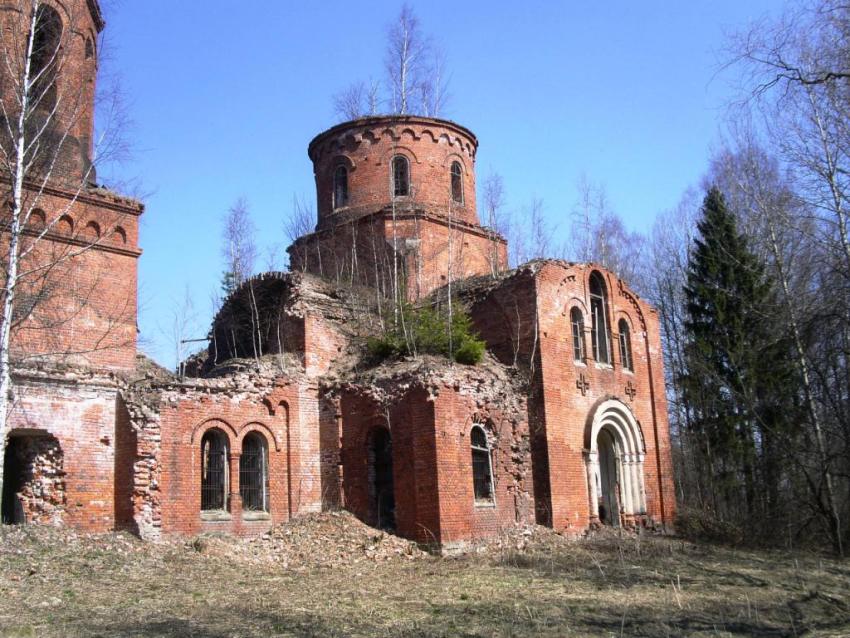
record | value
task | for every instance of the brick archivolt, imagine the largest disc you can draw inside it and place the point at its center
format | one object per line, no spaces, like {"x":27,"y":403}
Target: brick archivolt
{"x":617,"y":419}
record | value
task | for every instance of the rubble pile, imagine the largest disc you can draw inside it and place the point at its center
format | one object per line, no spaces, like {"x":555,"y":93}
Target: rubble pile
{"x":329,"y":539}
{"x":522,"y":538}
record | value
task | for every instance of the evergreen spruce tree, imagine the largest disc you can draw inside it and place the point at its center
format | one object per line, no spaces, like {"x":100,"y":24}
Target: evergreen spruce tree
{"x":738,"y":366}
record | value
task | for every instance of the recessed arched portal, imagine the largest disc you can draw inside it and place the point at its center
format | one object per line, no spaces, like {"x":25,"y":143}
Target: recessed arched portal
{"x":614,"y":457}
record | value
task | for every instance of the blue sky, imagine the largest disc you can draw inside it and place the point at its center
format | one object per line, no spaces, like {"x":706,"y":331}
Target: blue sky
{"x":225,"y":97}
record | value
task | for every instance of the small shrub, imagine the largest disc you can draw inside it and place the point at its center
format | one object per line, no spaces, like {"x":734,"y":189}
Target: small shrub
{"x":698,"y":524}
{"x":470,"y":352}
{"x":426,"y":330}
{"x":381,"y":347}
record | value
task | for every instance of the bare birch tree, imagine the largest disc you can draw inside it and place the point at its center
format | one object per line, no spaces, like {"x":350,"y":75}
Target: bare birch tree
{"x":239,"y":247}
{"x":407,"y":50}
{"x":417,"y":77}
{"x":493,"y":196}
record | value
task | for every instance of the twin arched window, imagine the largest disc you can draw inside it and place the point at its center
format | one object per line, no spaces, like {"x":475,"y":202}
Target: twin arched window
{"x":482,"y":470}
{"x":340,"y":187}
{"x":599,"y":319}
{"x":457,"y":183}
{"x":215,"y":472}
{"x":577,"y":321}
{"x":625,"y":345}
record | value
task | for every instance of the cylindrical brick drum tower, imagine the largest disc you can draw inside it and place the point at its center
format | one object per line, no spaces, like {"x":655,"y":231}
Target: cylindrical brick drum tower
{"x":403,"y":184}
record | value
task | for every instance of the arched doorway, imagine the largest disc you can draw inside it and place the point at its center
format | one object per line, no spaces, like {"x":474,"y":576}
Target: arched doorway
{"x":609,"y":484}
{"x":614,"y":456}
{"x":34,"y":479}
{"x":381,"y":478}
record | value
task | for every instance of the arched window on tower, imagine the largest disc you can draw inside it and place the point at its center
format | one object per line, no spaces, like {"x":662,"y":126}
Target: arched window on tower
{"x":340,"y":186}
{"x":577,"y":321}
{"x":401,"y":176}
{"x":482,"y":470}
{"x":625,"y":345}
{"x":214,"y":471}
{"x":599,"y":319}
{"x":254,"y":473}
{"x":457,"y":183}
{"x":46,"y":49}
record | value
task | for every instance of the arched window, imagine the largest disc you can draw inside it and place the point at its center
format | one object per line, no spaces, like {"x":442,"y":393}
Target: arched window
{"x":625,"y":345}
{"x":401,"y":176}
{"x":577,"y":321}
{"x":254,"y":473}
{"x":482,"y":471}
{"x":89,"y":49}
{"x":46,"y":44}
{"x":340,"y":186}
{"x":214,"y":474}
{"x":457,"y":183}
{"x":599,"y":319}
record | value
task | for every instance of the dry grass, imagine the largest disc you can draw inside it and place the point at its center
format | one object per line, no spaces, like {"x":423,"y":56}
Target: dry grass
{"x":54,"y":583}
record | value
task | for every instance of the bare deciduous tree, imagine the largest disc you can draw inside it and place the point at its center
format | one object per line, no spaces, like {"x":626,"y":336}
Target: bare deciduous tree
{"x":239,"y":247}
{"x":407,"y":50}
{"x":493,"y":196}
{"x":417,"y":79}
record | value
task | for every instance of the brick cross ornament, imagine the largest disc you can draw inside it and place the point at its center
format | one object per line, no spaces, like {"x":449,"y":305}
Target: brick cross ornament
{"x":582,"y":384}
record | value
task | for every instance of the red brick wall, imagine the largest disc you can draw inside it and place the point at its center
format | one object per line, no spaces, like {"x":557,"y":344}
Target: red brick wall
{"x":126,"y":449}
{"x":559,"y":409}
{"x":359,"y":251}
{"x":79,"y":282}
{"x":366,"y":148}
{"x":413,"y":457}
{"x":75,"y":80}
{"x":461,"y":519}
{"x":286,"y":417}
{"x":82,"y":419}
{"x":432,"y":462}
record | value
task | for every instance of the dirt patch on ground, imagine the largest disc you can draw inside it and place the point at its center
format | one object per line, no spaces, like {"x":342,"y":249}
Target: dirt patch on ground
{"x":328,"y":575}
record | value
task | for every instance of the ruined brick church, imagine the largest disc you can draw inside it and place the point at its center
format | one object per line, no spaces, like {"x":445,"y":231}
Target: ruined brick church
{"x":564,"y":422}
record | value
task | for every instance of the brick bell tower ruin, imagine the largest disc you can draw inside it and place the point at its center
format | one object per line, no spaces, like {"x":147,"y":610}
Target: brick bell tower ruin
{"x":397,"y":192}
{"x":68,"y":456}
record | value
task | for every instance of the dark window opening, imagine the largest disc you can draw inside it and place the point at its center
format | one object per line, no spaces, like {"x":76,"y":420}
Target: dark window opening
{"x":401,"y":176}
{"x":577,"y":321}
{"x":381,"y":475}
{"x":89,"y":49}
{"x":625,"y":345}
{"x":46,"y":45}
{"x":482,"y":472}
{"x":254,"y":474}
{"x":457,"y":183}
{"x":599,"y":319}
{"x":340,"y":187}
{"x":214,"y":476}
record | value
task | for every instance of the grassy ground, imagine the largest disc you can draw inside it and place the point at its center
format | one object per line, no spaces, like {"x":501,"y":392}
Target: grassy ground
{"x":57,"y":584}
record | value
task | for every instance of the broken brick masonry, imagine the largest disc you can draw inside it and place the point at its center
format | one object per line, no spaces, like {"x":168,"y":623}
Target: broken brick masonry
{"x":564,"y":423}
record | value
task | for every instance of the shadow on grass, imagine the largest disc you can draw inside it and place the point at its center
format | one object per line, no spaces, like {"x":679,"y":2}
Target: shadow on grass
{"x":583,"y":616}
